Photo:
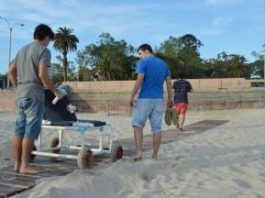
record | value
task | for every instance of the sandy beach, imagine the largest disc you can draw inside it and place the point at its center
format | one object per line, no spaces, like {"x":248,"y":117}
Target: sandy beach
{"x":226,"y":161}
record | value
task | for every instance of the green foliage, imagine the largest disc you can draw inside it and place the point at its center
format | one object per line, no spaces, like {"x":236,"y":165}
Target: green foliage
{"x":108,"y":59}
{"x":228,"y":66}
{"x":257,"y":66}
{"x":182,"y":55}
{"x":85,"y":74}
{"x":57,"y":74}
{"x":3,"y":80}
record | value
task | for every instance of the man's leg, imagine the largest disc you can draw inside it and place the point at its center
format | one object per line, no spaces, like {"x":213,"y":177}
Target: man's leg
{"x":181,"y":121}
{"x":156,"y":125}
{"x":138,"y":135}
{"x":140,"y":115}
{"x":27,"y":145}
{"x":156,"y":144}
{"x":17,"y":150}
{"x":182,"y":114}
{"x":34,"y":117}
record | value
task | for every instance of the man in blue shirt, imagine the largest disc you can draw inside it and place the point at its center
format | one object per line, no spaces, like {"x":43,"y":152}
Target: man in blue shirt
{"x":151,"y":74}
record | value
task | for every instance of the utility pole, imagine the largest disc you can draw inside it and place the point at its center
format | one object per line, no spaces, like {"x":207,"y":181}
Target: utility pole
{"x":10,"y":28}
{"x":264,"y":44}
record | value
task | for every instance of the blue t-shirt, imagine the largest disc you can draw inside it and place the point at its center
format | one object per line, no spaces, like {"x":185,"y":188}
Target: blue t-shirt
{"x":181,"y":88}
{"x":155,"y":73}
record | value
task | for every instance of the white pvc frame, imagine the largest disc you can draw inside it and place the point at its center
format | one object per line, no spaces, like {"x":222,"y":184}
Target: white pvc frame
{"x":47,"y":152}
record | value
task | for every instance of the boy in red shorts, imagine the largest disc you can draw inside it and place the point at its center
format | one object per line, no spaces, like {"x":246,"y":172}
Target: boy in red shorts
{"x":181,"y":88}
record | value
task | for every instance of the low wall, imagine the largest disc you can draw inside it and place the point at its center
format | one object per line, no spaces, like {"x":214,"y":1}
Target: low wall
{"x":112,"y":96}
{"x":198,"y":101}
{"x":7,"y":100}
{"x":197,"y":84}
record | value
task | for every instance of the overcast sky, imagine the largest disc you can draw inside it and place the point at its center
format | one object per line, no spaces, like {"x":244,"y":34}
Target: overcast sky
{"x":233,"y":26}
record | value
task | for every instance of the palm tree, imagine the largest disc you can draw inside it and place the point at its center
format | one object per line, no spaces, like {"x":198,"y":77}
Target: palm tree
{"x":65,"y":41}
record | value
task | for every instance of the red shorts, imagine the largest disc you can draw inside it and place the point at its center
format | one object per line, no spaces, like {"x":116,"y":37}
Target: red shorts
{"x":181,"y":108}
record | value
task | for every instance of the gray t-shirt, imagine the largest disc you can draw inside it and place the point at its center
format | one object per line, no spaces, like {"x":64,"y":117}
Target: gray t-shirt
{"x":27,"y":61}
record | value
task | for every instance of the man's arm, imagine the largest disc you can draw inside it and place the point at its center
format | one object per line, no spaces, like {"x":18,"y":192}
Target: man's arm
{"x":190,"y":88}
{"x":136,"y":87}
{"x":46,"y":80}
{"x":169,"y":92}
{"x":12,"y":74}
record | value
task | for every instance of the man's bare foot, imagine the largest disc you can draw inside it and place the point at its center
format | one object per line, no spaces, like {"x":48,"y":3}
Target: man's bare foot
{"x":28,"y":170}
{"x":138,"y":157}
{"x":154,"y":157}
{"x":180,"y":129}
{"x":17,"y":166}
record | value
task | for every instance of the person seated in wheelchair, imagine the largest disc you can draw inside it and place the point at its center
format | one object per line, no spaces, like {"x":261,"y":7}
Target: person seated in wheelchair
{"x":62,"y":113}
{"x":62,"y":110}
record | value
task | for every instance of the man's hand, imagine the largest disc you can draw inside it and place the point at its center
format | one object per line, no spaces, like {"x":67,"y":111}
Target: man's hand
{"x":170,"y":102}
{"x":131,"y":101}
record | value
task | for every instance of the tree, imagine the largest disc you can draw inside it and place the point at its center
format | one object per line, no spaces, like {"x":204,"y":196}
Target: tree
{"x":257,"y":66}
{"x":3,"y":80}
{"x":108,"y":59}
{"x":64,"y":42}
{"x":237,"y":65}
{"x":56,"y":73}
{"x":182,"y":55}
{"x":228,"y":65}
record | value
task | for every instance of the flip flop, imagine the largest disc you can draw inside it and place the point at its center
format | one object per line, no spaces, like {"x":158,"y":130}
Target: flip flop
{"x":168,"y":116}
{"x":174,"y":116}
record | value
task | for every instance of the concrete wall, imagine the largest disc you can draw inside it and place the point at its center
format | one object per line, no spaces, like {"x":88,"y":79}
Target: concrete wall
{"x":7,"y":100}
{"x":113,"y":95}
{"x":198,"y":100}
{"x":126,"y":86}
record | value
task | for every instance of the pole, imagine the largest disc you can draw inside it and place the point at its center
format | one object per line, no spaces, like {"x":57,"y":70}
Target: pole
{"x":78,"y":73}
{"x":10,"y":26}
{"x":264,"y":45}
{"x":9,"y":54}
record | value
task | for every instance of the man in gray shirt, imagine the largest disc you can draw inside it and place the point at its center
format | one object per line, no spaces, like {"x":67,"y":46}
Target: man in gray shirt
{"x":28,"y":72}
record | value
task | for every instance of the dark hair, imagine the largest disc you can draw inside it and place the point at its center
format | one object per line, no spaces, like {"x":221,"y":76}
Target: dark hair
{"x":144,"y":47}
{"x":41,"y":31}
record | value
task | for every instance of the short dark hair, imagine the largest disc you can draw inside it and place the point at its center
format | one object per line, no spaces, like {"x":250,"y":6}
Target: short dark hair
{"x":41,"y":31}
{"x":144,"y":47}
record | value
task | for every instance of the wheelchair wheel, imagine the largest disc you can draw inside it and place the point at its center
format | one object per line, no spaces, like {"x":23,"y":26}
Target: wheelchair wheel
{"x":116,"y":152}
{"x":32,"y":156}
{"x":84,"y":158}
{"x":54,"y":143}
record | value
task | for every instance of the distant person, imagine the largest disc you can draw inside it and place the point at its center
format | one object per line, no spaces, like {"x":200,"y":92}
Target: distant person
{"x":28,"y":72}
{"x":181,"y":88}
{"x":152,"y":72}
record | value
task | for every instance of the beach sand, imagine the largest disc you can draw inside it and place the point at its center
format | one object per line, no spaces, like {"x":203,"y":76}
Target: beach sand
{"x":226,"y":161}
